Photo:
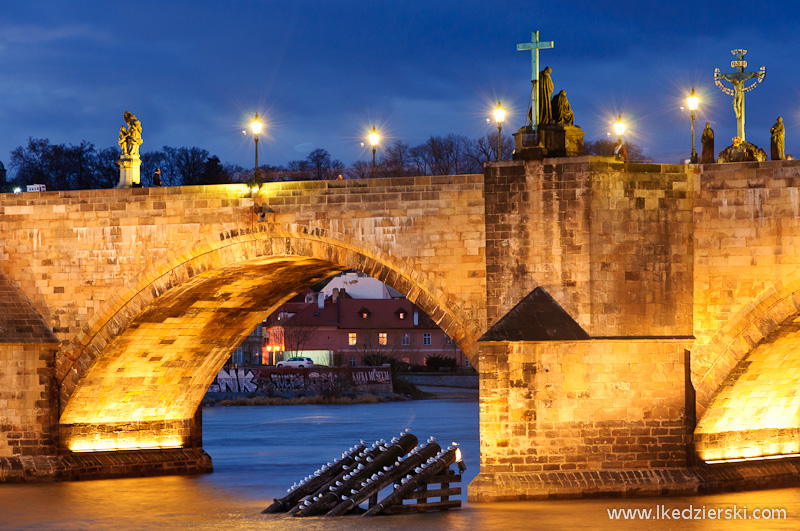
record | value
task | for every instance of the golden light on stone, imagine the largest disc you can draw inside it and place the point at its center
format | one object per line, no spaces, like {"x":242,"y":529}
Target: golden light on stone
{"x":619,"y":126}
{"x":109,"y":444}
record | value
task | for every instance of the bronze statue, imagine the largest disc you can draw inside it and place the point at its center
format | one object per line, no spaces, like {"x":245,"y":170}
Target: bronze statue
{"x":777,"y":138}
{"x":707,"y":155}
{"x":545,"y":91}
{"x":562,"y":111}
{"x":131,"y":138}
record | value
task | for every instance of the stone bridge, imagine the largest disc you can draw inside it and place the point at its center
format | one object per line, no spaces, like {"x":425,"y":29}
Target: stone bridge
{"x":634,"y":325}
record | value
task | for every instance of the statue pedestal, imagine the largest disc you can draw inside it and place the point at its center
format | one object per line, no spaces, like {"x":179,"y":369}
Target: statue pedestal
{"x":744,"y":152}
{"x":526,"y":145}
{"x":551,"y":140}
{"x":129,"y":171}
{"x":562,"y":140}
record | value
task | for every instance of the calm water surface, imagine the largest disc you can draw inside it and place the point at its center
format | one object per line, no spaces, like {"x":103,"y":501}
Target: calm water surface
{"x":259,"y":451}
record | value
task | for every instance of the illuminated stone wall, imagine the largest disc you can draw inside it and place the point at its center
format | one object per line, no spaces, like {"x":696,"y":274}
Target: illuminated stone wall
{"x":747,"y":263}
{"x":567,"y":418}
{"x":149,"y":290}
{"x":611,"y":243}
{"x":28,"y":348}
{"x":756,"y":412}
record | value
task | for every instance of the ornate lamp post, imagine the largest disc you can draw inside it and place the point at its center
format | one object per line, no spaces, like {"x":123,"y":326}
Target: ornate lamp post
{"x":256,"y":125}
{"x":619,"y":127}
{"x":692,"y":102}
{"x":499,"y":116}
{"x":374,"y":137}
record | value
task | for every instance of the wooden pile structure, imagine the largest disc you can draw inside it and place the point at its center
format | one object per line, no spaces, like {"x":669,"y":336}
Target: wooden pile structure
{"x":338,"y":488}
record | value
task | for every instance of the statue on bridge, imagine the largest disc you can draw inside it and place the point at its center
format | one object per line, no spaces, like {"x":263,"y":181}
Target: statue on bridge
{"x":550,"y":130}
{"x":737,"y":80}
{"x":130,"y":138}
{"x":562,"y":110}
{"x":707,"y":155}
{"x":777,"y":138}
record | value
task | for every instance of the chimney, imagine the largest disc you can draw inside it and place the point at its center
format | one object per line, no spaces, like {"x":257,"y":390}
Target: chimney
{"x":320,"y":300}
{"x":335,"y":295}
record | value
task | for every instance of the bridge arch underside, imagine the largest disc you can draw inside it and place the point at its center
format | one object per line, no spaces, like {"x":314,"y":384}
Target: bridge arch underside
{"x":756,"y":411}
{"x":136,"y":378}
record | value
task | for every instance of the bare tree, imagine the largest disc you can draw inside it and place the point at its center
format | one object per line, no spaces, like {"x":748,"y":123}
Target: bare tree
{"x":484,"y":149}
{"x":297,"y":336}
{"x":359,"y":170}
{"x":396,"y":160}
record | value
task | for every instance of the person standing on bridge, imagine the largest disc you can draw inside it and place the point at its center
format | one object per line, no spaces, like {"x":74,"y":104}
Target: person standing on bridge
{"x":157,"y":178}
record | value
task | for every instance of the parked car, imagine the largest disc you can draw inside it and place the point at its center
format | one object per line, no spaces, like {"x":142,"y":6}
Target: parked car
{"x":298,"y":362}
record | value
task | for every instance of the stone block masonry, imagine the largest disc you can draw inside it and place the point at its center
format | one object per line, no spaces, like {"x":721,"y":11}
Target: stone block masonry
{"x":611,"y":243}
{"x":561,"y":418}
{"x":118,"y":308}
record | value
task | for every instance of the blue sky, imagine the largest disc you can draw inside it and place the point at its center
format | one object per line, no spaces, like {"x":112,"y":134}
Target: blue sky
{"x":321,"y":73}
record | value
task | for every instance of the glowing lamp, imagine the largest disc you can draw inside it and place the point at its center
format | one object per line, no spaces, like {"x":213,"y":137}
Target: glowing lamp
{"x":499,"y":113}
{"x":374,"y":138}
{"x":692,"y":101}
{"x":499,"y":116}
{"x":619,"y":126}
{"x":256,"y":126}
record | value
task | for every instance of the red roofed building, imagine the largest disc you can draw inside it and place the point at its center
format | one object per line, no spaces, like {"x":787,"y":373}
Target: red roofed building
{"x":342,"y":331}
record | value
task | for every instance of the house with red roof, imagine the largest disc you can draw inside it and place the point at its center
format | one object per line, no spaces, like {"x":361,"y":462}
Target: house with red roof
{"x":341,"y":330}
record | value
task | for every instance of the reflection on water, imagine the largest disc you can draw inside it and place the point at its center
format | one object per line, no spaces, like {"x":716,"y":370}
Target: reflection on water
{"x":259,"y":451}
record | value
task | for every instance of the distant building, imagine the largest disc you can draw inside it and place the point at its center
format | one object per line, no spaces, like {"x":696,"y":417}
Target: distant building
{"x":360,"y":286}
{"x":343,"y":331}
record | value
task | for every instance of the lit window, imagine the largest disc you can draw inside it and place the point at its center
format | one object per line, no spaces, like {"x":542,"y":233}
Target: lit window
{"x":352,"y":338}
{"x":406,"y":338}
{"x":406,"y":360}
{"x":353,"y":362}
{"x":426,"y":338}
{"x":363,"y":313}
{"x":383,"y":338}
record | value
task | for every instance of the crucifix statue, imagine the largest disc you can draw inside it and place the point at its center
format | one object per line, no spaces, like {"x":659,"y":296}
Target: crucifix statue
{"x":534,"y":47}
{"x":738,"y":79}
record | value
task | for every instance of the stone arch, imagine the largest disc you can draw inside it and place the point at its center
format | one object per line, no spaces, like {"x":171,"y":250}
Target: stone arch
{"x":748,"y":375}
{"x":86,"y":375}
{"x":714,"y":362}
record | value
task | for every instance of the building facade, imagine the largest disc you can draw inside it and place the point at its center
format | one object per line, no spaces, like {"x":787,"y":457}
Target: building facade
{"x":342,"y":331}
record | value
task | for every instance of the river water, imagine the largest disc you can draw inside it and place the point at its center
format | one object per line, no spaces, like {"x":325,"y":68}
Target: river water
{"x":259,"y":451}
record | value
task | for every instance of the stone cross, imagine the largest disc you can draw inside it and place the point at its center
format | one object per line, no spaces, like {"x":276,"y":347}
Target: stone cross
{"x":534,"y":47}
{"x":737,"y":79}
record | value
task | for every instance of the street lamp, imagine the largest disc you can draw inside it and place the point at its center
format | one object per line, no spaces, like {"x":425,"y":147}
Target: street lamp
{"x":374,"y":137}
{"x":256,"y":125}
{"x":692,"y":102}
{"x":619,"y":127}
{"x":499,"y":116}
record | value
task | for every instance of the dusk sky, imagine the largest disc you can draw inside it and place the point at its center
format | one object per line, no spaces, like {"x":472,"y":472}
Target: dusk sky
{"x":321,"y":73}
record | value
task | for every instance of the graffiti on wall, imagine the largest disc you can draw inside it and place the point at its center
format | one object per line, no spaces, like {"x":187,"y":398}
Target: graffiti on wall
{"x":234,"y":381}
{"x":266,"y":379}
